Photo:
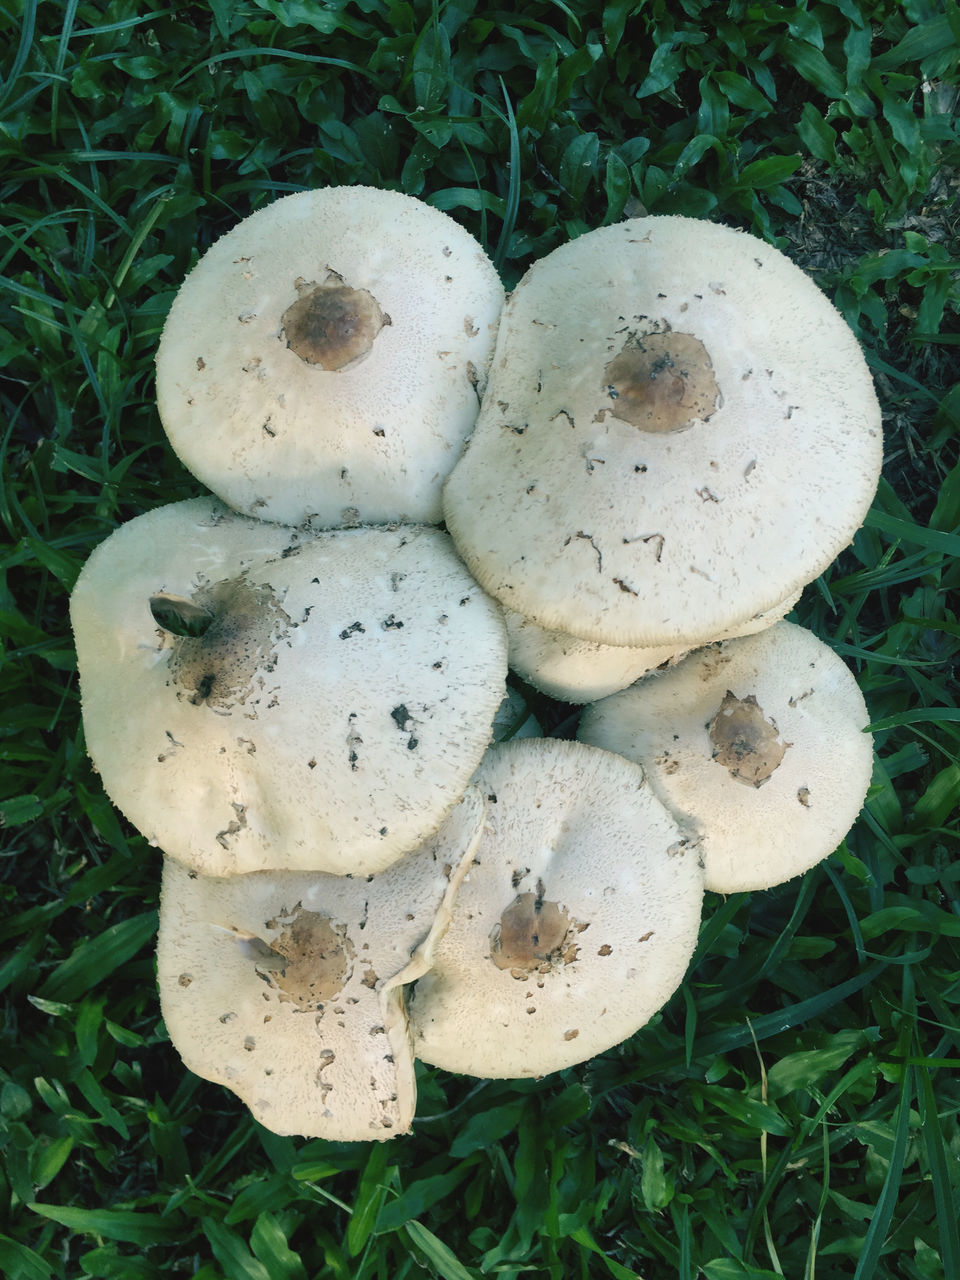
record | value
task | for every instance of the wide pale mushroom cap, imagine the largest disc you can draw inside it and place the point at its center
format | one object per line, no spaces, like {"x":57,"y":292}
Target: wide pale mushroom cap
{"x":322,"y":361}
{"x":679,"y":430}
{"x":755,"y":744}
{"x":575,"y":923}
{"x":286,"y":986}
{"x":329,"y":716}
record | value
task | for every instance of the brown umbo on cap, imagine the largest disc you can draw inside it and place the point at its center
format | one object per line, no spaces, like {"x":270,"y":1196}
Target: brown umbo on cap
{"x":679,"y":431}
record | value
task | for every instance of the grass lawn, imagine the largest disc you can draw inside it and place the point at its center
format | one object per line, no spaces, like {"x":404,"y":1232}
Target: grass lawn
{"x":793,"y":1109}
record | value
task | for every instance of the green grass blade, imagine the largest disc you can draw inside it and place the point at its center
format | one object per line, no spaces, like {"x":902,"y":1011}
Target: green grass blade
{"x":27,"y":27}
{"x":130,"y":1226}
{"x":448,"y":1265}
{"x":939,"y":1160}
{"x":513,"y":188}
{"x":882,"y":1216}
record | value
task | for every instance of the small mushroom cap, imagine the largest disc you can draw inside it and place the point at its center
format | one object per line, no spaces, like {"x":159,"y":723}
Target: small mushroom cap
{"x":328,"y":717}
{"x":322,"y":361}
{"x":575,"y":923}
{"x":756,"y":744}
{"x":286,"y":986}
{"x":575,"y":670}
{"x":664,"y":510}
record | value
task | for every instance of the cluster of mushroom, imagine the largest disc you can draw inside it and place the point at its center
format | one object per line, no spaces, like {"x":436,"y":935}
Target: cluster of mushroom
{"x":292,"y":688}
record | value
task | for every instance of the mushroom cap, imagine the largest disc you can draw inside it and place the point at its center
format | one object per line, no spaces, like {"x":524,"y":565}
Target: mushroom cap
{"x":577,"y":671}
{"x":574,"y":925}
{"x":761,"y":621}
{"x":328,"y":718}
{"x":744,"y":457}
{"x":322,"y":360}
{"x":755,"y":744}
{"x":286,"y":986}
{"x":574,"y":670}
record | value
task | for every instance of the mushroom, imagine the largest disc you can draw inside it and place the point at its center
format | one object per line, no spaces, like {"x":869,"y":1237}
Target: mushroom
{"x":757,"y":745}
{"x":327,"y":717}
{"x":575,"y":670}
{"x":575,"y":923}
{"x":323,"y":359}
{"x":679,"y":431}
{"x":287,"y":986}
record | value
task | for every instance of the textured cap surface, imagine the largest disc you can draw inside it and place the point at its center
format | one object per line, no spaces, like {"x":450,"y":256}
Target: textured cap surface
{"x":328,"y":717}
{"x":755,"y":744}
{"x":575,"y":923}
{"x":286,"y":986}
{"x":631,"y":489}
{"x":322,"y":360}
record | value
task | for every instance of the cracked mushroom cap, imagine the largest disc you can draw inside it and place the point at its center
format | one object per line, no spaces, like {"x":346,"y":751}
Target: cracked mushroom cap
{"x":323,"y":359}
{"x":678,"y":431}
{"x":756,"y":745}
{"x":286,"y":986}
{"x":575,"y":670}
{"x":574,"y":925}
{"x":328,"y":709}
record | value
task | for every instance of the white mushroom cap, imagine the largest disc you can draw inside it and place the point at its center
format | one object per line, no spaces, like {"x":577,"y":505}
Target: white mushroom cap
{"x":575,"y":923}
{"x":677,"y":423}
{"x":755,"y":744}
{"x":286,"y":986}
{"x":576,"y":670}
{"x":393,"y":308}
{"x":328,"y":718}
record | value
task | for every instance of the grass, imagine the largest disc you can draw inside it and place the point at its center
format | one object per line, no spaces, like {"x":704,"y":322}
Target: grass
{"x":793,"y":1110}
